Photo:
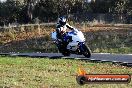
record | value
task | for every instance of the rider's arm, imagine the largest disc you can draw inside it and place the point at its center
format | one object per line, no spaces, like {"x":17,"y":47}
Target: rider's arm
{"x":69,"y":26}
{"x":58,"y":31}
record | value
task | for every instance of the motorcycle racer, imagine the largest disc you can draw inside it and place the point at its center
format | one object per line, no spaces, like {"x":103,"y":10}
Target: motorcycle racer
{"x":61,"y":28}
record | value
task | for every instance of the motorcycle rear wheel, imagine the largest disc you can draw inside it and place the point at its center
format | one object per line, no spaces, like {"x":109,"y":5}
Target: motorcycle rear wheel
{"x":63,"y":50}
{"x":66,"y":53}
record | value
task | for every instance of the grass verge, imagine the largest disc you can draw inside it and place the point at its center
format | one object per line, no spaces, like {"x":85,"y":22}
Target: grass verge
{"x":22,"y":72}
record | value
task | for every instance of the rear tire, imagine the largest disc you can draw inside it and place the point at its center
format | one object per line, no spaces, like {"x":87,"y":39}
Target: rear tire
{"x":86,"y":51}
{"x":66,"y":53}
{"x":63,"y":50}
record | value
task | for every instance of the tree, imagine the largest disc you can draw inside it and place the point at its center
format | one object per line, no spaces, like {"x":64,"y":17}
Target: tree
{"x":122,"y":7}
{"x":10,"y":11}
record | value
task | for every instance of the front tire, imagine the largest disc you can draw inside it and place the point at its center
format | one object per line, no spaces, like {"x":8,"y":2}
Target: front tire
{"x":85,"y":51}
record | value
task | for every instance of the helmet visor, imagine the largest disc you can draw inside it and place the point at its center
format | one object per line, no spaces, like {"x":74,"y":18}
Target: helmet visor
{"x":62,"y":23}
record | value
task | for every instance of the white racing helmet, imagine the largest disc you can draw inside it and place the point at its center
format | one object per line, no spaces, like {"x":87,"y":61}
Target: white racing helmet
{"x":62,"y":20}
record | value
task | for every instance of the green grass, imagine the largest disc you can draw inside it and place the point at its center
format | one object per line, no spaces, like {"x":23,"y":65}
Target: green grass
{"x":22,"y":72}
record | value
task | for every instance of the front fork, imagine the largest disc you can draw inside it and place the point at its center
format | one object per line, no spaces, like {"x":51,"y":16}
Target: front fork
{"x":80,"y":48}
{"x":80,"y":44}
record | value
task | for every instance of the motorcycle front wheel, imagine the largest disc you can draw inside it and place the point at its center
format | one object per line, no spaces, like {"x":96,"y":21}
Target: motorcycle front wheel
{"x":85,"y":51}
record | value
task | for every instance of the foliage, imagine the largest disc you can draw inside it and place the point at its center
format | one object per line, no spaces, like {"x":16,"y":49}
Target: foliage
{"x":26,"y":11}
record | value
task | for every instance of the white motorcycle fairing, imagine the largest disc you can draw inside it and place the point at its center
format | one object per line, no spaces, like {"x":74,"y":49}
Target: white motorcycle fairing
{"x":77,"y":36}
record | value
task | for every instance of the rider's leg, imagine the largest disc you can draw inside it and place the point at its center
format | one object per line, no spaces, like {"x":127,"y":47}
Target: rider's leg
{"x":65,"y":41}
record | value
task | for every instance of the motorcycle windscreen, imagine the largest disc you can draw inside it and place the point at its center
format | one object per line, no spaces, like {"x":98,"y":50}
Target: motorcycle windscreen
{"x":53,"y":35}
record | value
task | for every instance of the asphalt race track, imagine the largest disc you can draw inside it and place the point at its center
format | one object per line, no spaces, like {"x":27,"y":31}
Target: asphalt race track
{"x":122,"y":59}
